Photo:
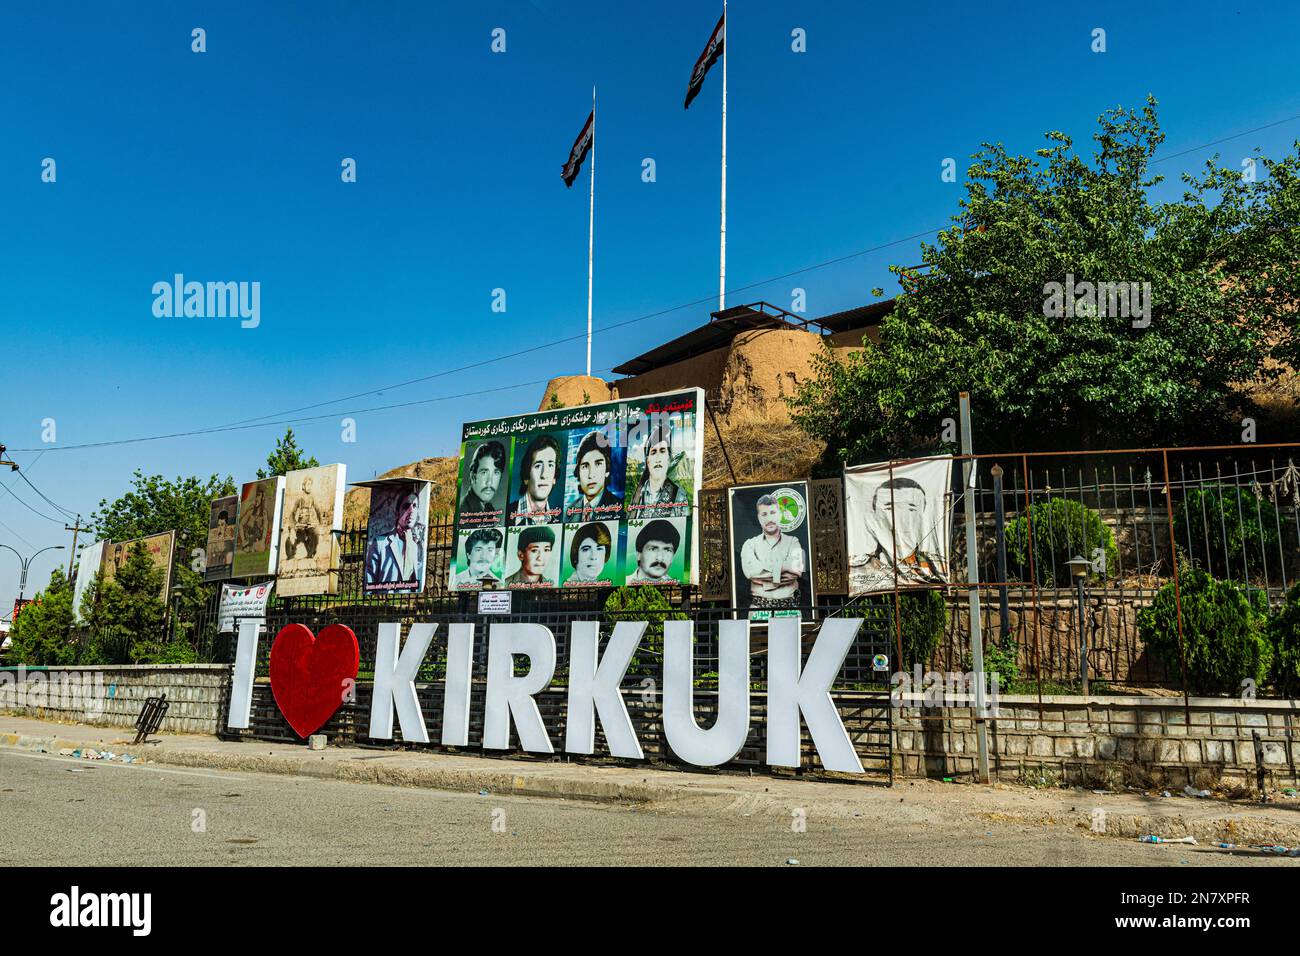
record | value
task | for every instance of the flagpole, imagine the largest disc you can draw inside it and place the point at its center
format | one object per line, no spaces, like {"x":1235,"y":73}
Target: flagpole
{"x":722,"y":238}
{"x":591,"y":225}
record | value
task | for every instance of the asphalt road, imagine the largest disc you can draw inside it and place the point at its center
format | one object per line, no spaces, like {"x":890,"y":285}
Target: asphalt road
{"x":58,"y":811}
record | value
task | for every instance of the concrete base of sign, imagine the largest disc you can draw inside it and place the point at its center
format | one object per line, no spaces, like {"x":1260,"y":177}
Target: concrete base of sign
{"x":316,"y":742}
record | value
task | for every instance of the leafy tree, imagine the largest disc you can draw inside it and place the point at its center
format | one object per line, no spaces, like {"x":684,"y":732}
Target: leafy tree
{"x":41,"y":630}
{"x":1222,"y":265}
{"x":287,"y":457}
{"x":128,"y":619}
{"x":1225,"y":636}
{"x":643,"y":603}
{"x":154,"y":505}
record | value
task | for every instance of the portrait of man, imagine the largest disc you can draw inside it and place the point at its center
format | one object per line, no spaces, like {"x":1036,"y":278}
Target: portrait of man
{"x":302,"y":534}
{"x":533,"y":547}
{"x":253,"y":520}
{"x":898,"y":525}
{"x":657,"y":495}
{"x":656,"y":545}
{"x":395,"y":557}
{"x":482,"y":550}
{"x":592,"y":469}
{"x":537,"y":478}
{"x":772,"y":563}
{"x":589,"y":551}
{"x":221,"y":538}
{"x":486,"y":468}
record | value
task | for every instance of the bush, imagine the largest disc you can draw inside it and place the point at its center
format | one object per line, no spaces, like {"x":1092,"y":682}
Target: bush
{"x":1225,"y":632}
{"x":643,"y":603}
{"x":921,"y":618}
{"x":1237,"y":526}
{"x":1063,"y":529}
{"x":1284,"y":630}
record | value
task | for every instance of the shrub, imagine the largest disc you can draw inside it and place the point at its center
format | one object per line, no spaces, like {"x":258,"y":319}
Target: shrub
{"x":1225,"y":634}
{"x":1063,"y":529}
{"x":643,"y":603}
{"x":1236,"y":526}
{"x":1284,"y":630}
{"x":921,"y":619}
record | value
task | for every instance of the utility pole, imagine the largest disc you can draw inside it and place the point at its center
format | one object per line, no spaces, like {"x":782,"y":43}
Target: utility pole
{"x":973,"y":592}
{"x":72,"y":555}
{"x":13,"y":465}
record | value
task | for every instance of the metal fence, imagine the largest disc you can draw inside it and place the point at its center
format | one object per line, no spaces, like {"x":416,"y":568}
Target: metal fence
{"x":1232,"y":512}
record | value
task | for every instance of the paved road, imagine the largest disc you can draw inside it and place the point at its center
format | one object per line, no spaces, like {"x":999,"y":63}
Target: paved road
{"x":109,"y":814}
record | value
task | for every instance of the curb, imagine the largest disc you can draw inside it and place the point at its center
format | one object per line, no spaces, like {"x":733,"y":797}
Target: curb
{"x":430,"y":778}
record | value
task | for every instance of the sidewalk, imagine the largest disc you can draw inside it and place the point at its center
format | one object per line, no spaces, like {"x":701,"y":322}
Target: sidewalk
{"x":1127,"y":815}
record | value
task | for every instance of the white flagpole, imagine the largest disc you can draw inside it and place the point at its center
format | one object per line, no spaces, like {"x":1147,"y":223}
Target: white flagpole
{"x":591,"y":225}
{"x":722,"y":239}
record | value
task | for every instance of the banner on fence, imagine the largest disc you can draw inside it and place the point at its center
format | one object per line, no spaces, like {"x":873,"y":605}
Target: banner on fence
{"x":899,"y":519}
{"x":160,"y":548}
{"x":88,"y":565}
{"x":312,"y":512}
{"x":221,"y":538}
{"x":598,"y":494}
{"x":257,"y":537}
{"x":244,"y":603}
{"x":397,"y":536}
{"x":769,"y":549}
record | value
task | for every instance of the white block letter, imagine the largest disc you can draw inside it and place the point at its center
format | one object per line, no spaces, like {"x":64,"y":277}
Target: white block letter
{"x":455,"y":701}
{"x":594,"y":689}
{"x":790,"y":693}
{"x":395,"y":682}
{"x":241,"y":687}
{"x":509,"y":696}
{"x":722,"y":741}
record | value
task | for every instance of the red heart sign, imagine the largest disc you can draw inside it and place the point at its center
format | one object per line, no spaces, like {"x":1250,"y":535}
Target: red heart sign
{"x":310,"y":675}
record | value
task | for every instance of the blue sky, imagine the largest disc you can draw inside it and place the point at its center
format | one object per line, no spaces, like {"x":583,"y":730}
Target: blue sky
{"x":225,"y":166}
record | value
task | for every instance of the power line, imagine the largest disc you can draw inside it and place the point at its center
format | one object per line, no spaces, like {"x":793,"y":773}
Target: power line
{"x":295,"y":421}
{"x":256,"y":421}
{"x":30,"y":508}
{"x":45,"y":497}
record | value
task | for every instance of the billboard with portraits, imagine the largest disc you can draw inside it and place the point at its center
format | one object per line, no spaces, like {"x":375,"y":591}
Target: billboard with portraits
{"x":220,"y":552}
{"x":899,"y":522}
{"x":257,"y":529}
{"x":397,"y":536}
{"x":311,"y":513}
{"x":160,"y":547}
{"x":770,"y":550}
{"x":594,"y":477}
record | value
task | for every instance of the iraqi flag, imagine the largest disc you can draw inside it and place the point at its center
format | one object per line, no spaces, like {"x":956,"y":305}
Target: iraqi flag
{"x":581,"y":147}
{"x":712,"y":50}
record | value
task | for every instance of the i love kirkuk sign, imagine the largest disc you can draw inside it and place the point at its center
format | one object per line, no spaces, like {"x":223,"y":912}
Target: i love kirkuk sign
{"x":313,"y":674}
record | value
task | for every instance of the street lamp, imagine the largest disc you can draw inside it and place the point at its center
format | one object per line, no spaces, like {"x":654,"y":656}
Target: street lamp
{"x":1079,"y":568}
{"x":27,"y":563}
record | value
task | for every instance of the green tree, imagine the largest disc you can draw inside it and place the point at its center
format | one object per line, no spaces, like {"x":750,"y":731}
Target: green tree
{"x":128,"y":619}
{"x":1284,"y":628}
{"x":286,"y":457}
{"x":41,"y":630}
{"x":980,"y":315}
{"x":1063,"y":529}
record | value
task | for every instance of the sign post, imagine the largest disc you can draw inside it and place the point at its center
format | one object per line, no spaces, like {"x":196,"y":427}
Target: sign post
{"x":973,"y":594}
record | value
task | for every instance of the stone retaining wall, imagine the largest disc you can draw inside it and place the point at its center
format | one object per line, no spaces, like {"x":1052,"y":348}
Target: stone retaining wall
{"x":1138,"y":741}
{"x":112,"y":695}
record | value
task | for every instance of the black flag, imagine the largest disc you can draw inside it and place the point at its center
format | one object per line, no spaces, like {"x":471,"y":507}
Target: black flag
{"x":581,"y":147}
{"x":712,"y":50}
